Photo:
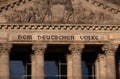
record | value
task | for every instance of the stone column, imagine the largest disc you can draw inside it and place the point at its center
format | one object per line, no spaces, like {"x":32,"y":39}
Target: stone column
{"x":97,"y":68}
{"x":110,"y":50}
{"x":102,"y":66}
{"x":69,"y":66}
{"x":33,"y":68}
{"x":4,"y":60}
{"x":39,"y":50}
{"x":76,"y":51}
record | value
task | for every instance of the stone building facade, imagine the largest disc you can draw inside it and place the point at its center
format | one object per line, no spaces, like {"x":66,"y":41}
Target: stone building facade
{"x":81,"y":37}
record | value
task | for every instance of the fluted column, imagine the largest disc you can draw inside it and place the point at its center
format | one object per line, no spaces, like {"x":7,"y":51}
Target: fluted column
{"x":69,"y":66}
{"x":39,"y":50}
{"x":102,"y":66}
{"x":76,"y":51}
{"x":4,"y":60}
{"x":110,"y":50}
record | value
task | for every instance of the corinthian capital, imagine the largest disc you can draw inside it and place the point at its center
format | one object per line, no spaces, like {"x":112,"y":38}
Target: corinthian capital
{"x":5,"y":47}
{"x":76,"y":48}
{"x":110,"y":48}
{"x":101,"y":57}
{"x":39,"y":48}
{"x":69,"y":57}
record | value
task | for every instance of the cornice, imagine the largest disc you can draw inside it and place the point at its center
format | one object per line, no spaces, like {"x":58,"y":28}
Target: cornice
{"x":104,"y":6}
{"x":12,"y":4}
{"x":83,"y":27}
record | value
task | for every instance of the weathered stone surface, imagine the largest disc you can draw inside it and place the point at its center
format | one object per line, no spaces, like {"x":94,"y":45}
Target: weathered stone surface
{"x":38,"y":51}
{"x":4,"y":60}
{"x":61,"y":22}
{"x":61,"y":11}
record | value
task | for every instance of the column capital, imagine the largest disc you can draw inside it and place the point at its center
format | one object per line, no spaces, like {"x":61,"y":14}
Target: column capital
{"x":76,"y":48}
{"x":69,"y":57}
{"x":110,"y":49}
{"x":39,"y":48}
{"x":101,"y":57}
{"x":5,"y":48}
{"x":32,"y":57}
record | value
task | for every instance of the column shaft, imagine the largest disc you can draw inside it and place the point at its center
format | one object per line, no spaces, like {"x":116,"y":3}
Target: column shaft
{"x":76,"y":51}
{"x":69,"y":66}
{"x":111,"y":71}
{"x":102,"y":66}
{"x":4,"y":60}
{"x":4,"y":66}
{"x":33,"y":66}
{"x":77,"y":69}
{"x":110,"y":50}
{"x":39,"y":50}
{"x":39,"y":60}
{"x":97,"y":69}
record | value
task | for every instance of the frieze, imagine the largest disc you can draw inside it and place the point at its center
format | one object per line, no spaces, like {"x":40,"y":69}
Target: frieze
{"x":36,"y":36}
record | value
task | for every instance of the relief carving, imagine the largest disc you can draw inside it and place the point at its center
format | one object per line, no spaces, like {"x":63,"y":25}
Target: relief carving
{"x":76,"y":49}
{"x":3,"y":1}
{"x":101,"y":57}
{"x":42,"y":12}
{"x":5,"y":48}
{"x":39,"y":48}
{"x":110,"y":49}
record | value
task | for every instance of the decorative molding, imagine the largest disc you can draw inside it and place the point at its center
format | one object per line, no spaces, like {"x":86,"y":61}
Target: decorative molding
{"x":32,"y":57}
{"x":76,"y":48}
{"x":12,"y":4}
{"x":39,"y":48}
{"x":43,"y":12}
{"x":104,"y":6}
{"x":95,"y":2}
{"x":69,"y":57}
{"x":89,"y":27}
{"x":5,"y":48}
{"x":40,"y":12}
{"x":110,"y":49}
{"x":101,"y":57}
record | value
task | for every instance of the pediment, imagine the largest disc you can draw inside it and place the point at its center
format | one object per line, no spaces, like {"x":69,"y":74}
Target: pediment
{"x":60,"y":11}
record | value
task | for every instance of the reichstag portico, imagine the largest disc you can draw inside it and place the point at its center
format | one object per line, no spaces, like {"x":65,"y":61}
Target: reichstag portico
{"x":59,"y":39}
{"x":93,"y":55}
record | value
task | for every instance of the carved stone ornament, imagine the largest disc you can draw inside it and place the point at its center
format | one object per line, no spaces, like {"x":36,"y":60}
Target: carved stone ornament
{"x":76,"y":48}
{"x":43,"y":11}
{"x":110,"y":49}
{"x":101,"y":57}
{"x":32,"y":57}
{"x":39,"y":48}
{"x":73,"y":27}
{"x":69,"y":57}
{"x":5,"y":48}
